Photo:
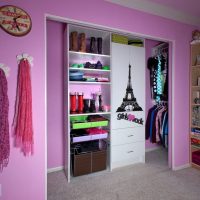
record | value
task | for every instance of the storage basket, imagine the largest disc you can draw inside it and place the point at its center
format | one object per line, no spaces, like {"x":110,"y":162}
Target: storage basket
{"x":90,"y":161}
{"x":119,"y":39}
{"x":79,"y":122}
{"x":136,"y":42}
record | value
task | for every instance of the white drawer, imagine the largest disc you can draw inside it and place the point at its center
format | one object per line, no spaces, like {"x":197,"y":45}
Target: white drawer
{"x":128,"y":135}
{"x":127,"y":151}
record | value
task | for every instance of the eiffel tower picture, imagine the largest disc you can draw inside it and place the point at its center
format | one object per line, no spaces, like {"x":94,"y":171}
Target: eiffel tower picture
{"x":129,"y":102}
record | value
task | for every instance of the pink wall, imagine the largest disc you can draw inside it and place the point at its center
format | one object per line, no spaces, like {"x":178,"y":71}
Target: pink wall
{"x":25,"y":177}
{"x":191,"y":7}
{"x":55,"y":63}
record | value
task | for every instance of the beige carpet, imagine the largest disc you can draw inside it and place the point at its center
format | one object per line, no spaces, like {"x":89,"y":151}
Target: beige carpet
{"x":150,"y":181}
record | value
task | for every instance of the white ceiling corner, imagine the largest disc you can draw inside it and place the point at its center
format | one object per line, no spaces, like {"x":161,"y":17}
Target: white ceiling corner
{"x":160,"y":10}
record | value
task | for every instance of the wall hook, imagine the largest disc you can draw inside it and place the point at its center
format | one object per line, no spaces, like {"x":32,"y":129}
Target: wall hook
{"x":25,"y":56}
{"x":6,"y":69}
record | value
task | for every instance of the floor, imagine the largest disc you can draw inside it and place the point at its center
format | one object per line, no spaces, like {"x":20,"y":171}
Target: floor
{"x":150,"y":181}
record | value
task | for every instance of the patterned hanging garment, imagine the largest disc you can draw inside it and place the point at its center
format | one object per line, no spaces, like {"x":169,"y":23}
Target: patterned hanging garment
{"x":22,"y":123}
{"x":4,"y":124}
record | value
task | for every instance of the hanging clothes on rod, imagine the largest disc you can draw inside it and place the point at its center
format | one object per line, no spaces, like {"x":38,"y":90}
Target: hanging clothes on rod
{"x":157,"y":118}
{"x":158,"y":66}
{"x":157,"y":124}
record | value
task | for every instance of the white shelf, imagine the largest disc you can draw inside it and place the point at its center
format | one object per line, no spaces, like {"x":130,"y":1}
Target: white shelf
{"x":193,"y":66}
{"x":195,"y":86}
{"x":91,"y":83}
{"x":90,"y":70}
{"x":192,"y":126}
{"x":194,"y":146}
{"x":195,"y":165}
{"x":195,"y":136}
{"x":98,"y":113}
{"x":88,"y":54}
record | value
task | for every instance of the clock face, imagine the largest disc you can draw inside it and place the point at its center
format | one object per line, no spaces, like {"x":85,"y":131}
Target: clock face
{"x":14,"y":20}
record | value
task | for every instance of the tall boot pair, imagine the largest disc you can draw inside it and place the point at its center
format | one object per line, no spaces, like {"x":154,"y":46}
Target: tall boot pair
{"x":93,"y":45}
{"x":74,"y":40}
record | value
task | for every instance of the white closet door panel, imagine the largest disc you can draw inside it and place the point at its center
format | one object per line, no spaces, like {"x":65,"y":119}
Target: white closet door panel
{"x":137,"y":61}
{"x":124,"y":123}
{"x":122,"y":56}
{"x":128,"y":135}
{"x":127,"y":152}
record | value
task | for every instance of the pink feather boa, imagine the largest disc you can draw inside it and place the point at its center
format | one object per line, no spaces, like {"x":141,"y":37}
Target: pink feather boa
{"x":22,"y":123}
{"x":4,"y":124}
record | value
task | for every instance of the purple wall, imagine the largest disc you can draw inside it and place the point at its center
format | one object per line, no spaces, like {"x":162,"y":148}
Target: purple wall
{"x":24,"y":178}
{"x":55,"y":63}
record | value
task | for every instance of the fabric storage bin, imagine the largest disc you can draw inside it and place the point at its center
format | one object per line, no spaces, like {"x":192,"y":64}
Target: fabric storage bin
{"x":196,"y":157}
{"x":82,"y":135}
{"x":89,"y":124}
{"x":119,"y":39}
{"x":99,"y":160}
{"x":80,"y":122}
{"x":94,"y":160}
{"x":86,"y":163}
{"x":82,"y":164}
{"x":136,"y":42}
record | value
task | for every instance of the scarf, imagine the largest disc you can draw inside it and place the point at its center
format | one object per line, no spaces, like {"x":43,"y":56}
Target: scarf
{"x":4,"y":125}
{"x":22,"y":123}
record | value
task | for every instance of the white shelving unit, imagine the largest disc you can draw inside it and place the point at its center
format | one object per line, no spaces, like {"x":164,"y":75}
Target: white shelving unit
{"x":88,"y":88}
{"x":194,"y":107}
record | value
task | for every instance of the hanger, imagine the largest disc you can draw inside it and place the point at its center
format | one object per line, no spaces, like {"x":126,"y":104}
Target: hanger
{"x":6,"y":69}
{"x":25,"y":56}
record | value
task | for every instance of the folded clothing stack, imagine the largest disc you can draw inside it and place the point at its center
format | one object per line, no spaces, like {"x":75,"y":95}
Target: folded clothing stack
{"x":196,"y":157}
{"x":195,"y":131}
{"x":102,"y":79}
{"x":95,"y":131}
{"x":76,"y":76}
{"x":94,"y":78}
{"x":195,"y":141}
{"x":89,"y":78}
{"x":97,"y":65}
{"x":95,"y":118}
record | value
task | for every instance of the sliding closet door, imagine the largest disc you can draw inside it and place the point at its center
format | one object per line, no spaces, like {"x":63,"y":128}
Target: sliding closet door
{"x":122,"y":56}
{"x":128,"y":105}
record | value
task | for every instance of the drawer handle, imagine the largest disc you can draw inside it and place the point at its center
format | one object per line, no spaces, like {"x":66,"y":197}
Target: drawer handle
{"x":130,"y":135}
{"x":130,"y":151}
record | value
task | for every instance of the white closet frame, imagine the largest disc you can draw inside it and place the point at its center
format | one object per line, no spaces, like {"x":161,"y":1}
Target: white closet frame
{"x":120,"y":31}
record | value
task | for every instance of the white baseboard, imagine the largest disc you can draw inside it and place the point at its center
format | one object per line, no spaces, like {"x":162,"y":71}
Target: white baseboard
{"x":153,"y":149}
{"x":55,"y":169}
{"x":181,"y":167}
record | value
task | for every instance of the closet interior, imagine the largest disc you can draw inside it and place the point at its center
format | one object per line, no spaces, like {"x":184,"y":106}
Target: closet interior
{"x":108,"y":92}
{"x":157,"y":119}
